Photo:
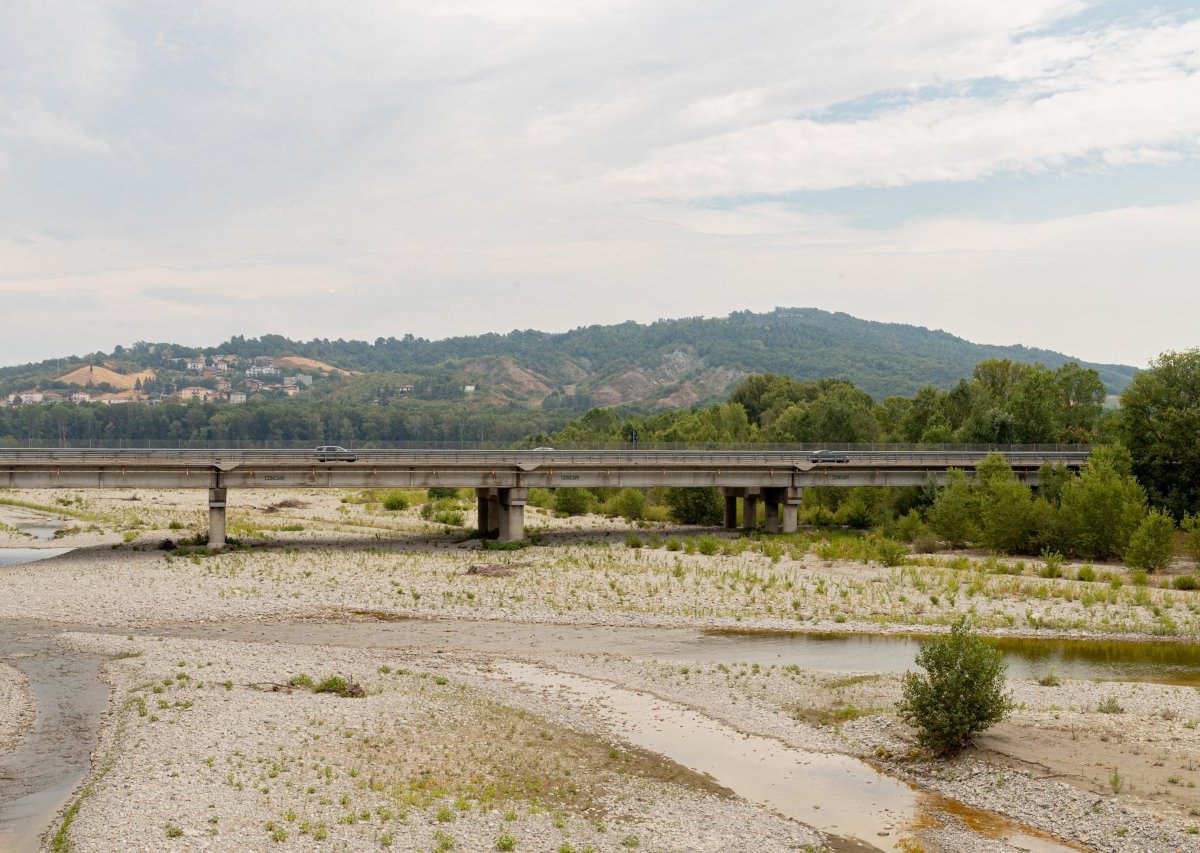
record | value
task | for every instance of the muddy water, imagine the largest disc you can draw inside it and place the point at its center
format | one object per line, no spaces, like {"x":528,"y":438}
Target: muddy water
{"x":18,"y":556}
{"x":37,"y":524}
{"x":836,"y":794}
{"x":37,"y":779}
{"x":1169,"y":663}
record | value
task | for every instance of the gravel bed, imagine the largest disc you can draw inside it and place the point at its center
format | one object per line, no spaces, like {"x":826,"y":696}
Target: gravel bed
{"x":17,"y":708}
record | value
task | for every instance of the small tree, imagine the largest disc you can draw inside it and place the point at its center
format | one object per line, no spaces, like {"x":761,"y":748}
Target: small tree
{"x":1152,"y":545}
{"x":1191,"y":525}
{"x":630,"y":504}
{"x":569,"y":500}
{"x":695,"y":506}
{"x":961,"y":693}
{"x":954,"y":513}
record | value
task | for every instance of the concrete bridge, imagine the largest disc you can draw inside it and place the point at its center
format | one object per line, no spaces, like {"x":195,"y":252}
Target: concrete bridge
{"x":502,"y":478}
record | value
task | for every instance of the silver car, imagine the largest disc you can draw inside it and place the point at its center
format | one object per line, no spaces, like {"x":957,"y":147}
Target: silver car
{"x":333,"y":453}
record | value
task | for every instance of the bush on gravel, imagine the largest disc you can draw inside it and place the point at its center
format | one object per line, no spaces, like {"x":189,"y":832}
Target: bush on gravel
{"x":961,"y":693}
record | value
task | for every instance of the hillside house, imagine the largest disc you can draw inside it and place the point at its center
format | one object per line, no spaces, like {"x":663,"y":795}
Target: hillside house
{"x":204,"y":395}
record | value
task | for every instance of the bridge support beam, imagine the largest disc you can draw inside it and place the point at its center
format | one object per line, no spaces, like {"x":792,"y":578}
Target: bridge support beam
{"x":488,"y":512}
{"x":772,"y":497}
{"x":512,"y":514}
{"x":216,"y":518}
{"x":791,"y":509}
{"x":750,"y":511}
{"x":730,"y":518}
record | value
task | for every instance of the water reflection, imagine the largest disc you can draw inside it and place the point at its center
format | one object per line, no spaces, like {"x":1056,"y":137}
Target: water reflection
{"x":19,"y":556}
{"x":1166,"y":662}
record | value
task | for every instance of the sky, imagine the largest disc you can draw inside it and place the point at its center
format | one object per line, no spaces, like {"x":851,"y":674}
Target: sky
{"x":1025,"y":171}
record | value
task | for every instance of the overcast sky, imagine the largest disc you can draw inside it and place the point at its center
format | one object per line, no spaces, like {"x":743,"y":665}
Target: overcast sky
{"x":1025,"y":171}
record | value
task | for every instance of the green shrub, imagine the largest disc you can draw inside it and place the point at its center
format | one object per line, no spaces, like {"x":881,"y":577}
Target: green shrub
{"x":395,"y":501}
{"x":1185,"y":582}
{"x":890,"y":552}
{"x":1052,"y":563}
{"x":332,"y":684}
{"x":633,"y":540}
{"x":1152,"y":546}
{"x":630,"y":504}
{"x":908,"y":527}
{"x":1086,"y":573}
{"x":694,"y":506}
{"x":541,"y":498}
{"x":440,"y":493}
{"x":708,"y":544}
{"x":954,"y":514}
{"x":506,"y":842}
{"x":572,"y":501}
{"x":961,"y":693}
{"x":451,"y":517}
{"x":1191,"y":526}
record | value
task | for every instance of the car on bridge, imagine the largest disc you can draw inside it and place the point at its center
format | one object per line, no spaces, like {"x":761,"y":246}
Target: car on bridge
{"x":333,"y":453}
{"x":829,"y":457}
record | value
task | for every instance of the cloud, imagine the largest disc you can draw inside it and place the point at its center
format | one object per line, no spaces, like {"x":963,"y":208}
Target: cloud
{"x":1137,"y":107}
{"x":381,"y":167}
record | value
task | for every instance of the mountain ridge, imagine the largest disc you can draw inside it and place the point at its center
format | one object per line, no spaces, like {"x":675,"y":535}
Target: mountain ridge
{"x":677,"y":362}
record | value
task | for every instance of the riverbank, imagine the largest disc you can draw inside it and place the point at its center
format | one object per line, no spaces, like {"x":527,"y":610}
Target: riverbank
{"x":16,"y":707}
{"x":316,"y":559}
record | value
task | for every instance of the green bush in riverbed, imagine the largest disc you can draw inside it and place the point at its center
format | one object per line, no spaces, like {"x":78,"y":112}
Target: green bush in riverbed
{"x":961,"y":693}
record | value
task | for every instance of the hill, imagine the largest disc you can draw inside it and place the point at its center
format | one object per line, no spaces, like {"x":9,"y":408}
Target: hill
{"x":95,"y":375}
{"x":668,"y":363}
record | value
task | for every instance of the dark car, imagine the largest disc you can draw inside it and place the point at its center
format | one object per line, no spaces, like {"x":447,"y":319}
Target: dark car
{"x":333,"y":453}
{"x":829,"y":457}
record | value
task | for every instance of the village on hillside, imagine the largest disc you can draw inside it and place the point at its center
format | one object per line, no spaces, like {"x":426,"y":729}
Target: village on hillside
{"x":207,"y":379}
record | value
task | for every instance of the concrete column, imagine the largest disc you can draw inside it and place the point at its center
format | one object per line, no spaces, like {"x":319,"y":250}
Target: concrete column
{"x":771,"y":517}
{"x":493,"y":514}
{"x":216,"y":518}
{"x":791,"y":508}
{"x":481,"y":512}
{"x":750,"y":511}
{"x":512,"y":514}
{"x":730,"y":520}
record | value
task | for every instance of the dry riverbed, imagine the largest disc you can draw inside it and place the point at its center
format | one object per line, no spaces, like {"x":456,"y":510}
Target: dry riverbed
{"x":209,"y":745}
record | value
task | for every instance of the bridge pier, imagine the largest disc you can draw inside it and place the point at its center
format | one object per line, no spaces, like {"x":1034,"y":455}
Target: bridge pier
{"x":730,"y":518}
{"x":772,"y":497}
{"x":791,"y":510}
{"x":487,"y":513}
{"x":512,"y":514}
{"x":501,"y":513}
{"x":216,"y":518}
{"x":750,"y":510}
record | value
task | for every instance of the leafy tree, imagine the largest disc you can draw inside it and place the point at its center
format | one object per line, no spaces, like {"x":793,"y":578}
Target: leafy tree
{"x":569,"y":500}
{"x":1006,"y":517}
{"x":1160,"y":420}
{"x":1152,"y":545}
{"x":695,"y":506}
{"x":630,"y":504}
{"x":1101,"y":508}
{"x":961,"y":693}
{"x":1191,"y":526}
{"x":954,"y":513}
